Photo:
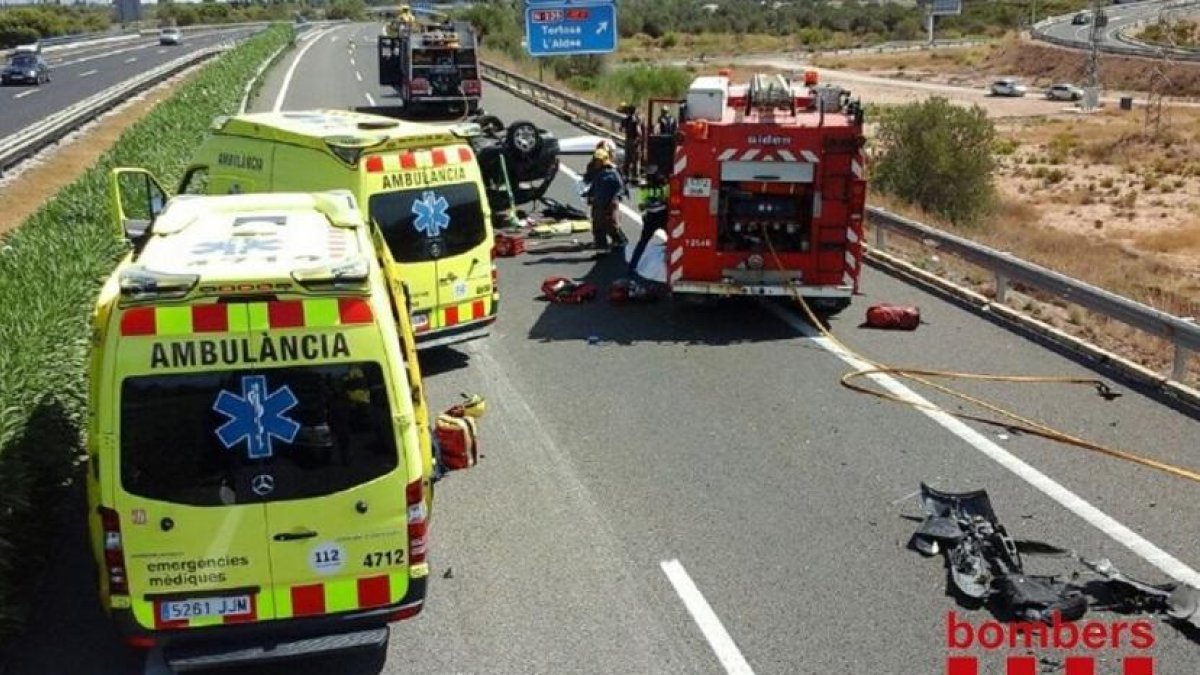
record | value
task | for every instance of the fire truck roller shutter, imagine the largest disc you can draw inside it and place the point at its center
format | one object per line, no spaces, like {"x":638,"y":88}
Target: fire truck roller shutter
{"x":768,"y":172}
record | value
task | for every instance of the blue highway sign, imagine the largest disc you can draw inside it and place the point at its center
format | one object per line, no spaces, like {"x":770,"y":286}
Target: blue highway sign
{"x":565,"y":28}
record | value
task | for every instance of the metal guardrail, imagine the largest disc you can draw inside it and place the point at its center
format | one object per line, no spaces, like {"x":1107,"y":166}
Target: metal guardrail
{"x":24,"y":144}
{"x":1183,"y":333}
{"x":1127,"y":46}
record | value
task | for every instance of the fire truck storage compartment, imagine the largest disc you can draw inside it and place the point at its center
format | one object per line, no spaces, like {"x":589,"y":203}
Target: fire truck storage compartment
{"x":744,"y":214}
{"x":391,"y":65}
{"x":707,"y":98}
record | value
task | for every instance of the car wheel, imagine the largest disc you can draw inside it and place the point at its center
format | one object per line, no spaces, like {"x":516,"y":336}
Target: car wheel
{"x":523,"y":137}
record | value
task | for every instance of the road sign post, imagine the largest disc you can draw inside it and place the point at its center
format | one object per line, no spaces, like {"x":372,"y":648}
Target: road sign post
{"x":567,"y":27}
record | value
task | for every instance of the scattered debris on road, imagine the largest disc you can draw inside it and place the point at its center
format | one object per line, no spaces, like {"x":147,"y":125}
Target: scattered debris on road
{"x":985,"y":565}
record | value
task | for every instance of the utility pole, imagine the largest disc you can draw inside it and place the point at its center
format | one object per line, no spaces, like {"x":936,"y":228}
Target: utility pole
{"x":1160,"y":77}
{"x":1091,"y":97}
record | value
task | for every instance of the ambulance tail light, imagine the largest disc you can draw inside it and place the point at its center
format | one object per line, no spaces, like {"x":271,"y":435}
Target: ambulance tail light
{"x":420,"y":85}
{"x":139,"y":283}
{"x":346,"y":276}
{"x":114,"y":552}
{"x":417,"y":521}
{"x":472,"y":87}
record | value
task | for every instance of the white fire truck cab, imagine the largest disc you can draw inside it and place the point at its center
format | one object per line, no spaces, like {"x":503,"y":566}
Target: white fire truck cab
{"x":767,"y":188}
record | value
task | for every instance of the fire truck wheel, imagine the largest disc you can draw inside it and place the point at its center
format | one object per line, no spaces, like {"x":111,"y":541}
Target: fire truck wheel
{"x":828,"y":306}
{"x":524,"y":138}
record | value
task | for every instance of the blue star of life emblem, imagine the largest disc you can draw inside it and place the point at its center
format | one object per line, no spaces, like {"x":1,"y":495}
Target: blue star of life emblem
{"x":430,"y":211}
{"x":257,"y":417}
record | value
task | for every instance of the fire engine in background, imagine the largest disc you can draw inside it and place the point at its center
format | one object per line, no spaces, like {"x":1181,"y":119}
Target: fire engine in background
{"x":431,"y":65}
{"x":767,"y":185}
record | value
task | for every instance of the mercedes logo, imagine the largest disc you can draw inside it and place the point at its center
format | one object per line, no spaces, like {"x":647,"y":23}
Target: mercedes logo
{"x":263,"y":484}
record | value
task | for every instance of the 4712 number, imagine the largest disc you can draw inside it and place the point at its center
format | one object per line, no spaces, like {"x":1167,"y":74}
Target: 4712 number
{"x":384,"y":558}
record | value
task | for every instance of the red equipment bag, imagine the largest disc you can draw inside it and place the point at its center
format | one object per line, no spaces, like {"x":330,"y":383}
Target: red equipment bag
{"x":458,"y":440}
{"x":509,"y":245}
{"x":893,"y":317}
{"x":457,"y":436}
{"x":563,"y":290}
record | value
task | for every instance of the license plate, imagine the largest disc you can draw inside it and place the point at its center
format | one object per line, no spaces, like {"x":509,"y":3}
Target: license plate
{"x":181,"y":610}
{"x":697,"y":187}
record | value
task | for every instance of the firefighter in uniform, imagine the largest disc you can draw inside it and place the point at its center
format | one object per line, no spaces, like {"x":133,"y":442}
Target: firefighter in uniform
{"x":667,"y":126}
{"x":633,"y":128}
{"x":604,"y":195}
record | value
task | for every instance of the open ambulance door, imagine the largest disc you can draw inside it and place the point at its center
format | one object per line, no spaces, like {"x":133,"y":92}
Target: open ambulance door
{"x":137,"y":198}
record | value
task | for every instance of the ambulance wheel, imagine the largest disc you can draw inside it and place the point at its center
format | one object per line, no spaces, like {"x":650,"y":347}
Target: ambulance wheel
{"x":524,"y":138}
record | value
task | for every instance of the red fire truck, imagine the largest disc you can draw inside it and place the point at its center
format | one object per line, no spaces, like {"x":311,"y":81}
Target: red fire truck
{"x":767,"y":187}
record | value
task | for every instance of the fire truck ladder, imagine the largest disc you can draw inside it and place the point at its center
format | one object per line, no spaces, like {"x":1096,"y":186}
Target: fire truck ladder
{"x":770,"y":92}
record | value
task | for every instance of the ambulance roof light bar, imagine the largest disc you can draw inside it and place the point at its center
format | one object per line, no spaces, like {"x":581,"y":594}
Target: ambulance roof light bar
{"x":142,"y":283}
{"x":350,"y":275}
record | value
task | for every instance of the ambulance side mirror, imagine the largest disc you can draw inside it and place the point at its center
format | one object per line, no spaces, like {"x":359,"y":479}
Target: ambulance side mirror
{"x":137,"y":200}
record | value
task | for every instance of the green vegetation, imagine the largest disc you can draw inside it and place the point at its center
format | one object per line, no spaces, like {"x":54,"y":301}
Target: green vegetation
{"x":938,"y":156}
{"x":22,"y":25}
{"x":50,"y":271}
{"x":235,"y":11}
{"x":1183,"y":34}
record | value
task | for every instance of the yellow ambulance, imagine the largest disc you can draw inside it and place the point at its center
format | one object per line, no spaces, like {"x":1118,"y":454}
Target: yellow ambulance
{"x":420,"y":184}
{"x":256,"y":468}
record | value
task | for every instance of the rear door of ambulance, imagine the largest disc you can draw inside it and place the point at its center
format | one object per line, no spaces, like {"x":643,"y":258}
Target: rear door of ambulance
{"x":337,"y":510}
{"x":194,"y":531}
{"x":282,"y":489}
{"x":432,"y":215}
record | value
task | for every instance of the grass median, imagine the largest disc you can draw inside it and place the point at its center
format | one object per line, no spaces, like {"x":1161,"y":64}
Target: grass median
{"x":50,"y":270}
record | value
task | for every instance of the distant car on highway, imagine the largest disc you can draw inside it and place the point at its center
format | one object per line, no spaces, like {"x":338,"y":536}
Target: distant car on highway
{"x":26,"y":68}
{"x":1064,"y":92}
{"x":1082,"y":19}
{"x":170,"y":36}
{"x":1008,"y":86}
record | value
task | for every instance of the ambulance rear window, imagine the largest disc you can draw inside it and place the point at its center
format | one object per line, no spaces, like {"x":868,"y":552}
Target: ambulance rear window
{"x":233,"y":437}
{"x":430,"y":223}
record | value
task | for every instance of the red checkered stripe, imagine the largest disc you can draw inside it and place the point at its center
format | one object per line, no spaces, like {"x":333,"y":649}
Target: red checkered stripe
{"x":226,"y":318}
{"x":411,"y":160}
{"x":1073,"y":665}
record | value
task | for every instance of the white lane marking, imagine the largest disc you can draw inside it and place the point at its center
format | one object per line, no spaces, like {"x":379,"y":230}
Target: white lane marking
{"x":352,"y":61}
{"x":88,"y":73}
{"x":162,"y":51}
{"x":358,"y":75}
{"x":131,"y":59}
{"x":704,"y":616}
{"x":1141,"y":546}
{"x":370,"y":99}
{"x":25,"y":93}
{"x":1072,"y":502}
{"x":291,"y":71}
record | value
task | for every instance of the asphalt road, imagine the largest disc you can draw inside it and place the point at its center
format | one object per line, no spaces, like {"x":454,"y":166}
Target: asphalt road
{"x":695,"y":493}
{"x":1120,"y":17}
{"x":80,"y":72}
